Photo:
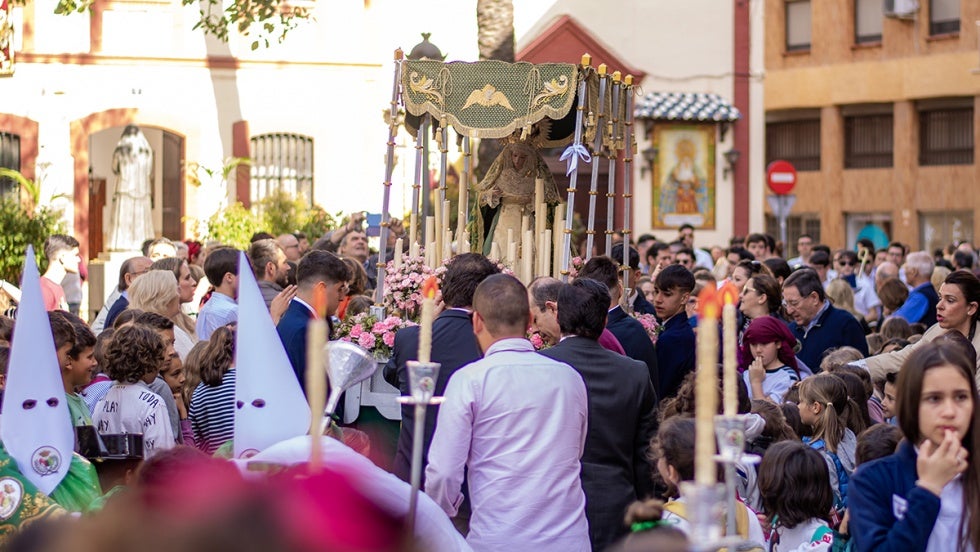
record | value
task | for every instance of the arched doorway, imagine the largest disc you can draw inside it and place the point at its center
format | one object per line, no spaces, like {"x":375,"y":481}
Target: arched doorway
{"x":93,"y":140}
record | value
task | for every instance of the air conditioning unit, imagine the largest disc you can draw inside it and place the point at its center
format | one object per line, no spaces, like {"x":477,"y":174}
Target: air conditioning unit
{"x":901,"y":9}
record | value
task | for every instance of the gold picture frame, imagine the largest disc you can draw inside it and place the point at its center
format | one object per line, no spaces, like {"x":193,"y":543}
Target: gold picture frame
{"x":684,"y":176}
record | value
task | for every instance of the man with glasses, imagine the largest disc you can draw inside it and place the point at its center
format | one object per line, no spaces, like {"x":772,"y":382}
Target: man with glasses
{"x":118,"y":301}
{"x":685,"y":258}
{"x":847,"y":266}
{"x":817,"y":325}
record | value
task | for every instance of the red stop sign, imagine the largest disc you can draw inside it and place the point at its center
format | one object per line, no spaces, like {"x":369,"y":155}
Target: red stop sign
{"x":781,"y":177}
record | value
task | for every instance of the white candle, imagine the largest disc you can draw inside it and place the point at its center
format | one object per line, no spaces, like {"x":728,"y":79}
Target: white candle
{"x":398,"y":253}
{"x":730,"y":363}
{"x":546,"y":253}
{"x":413,"y":249}
{"x":706,"y":388}
{"x":494,"y":251}
{"x":527,"y":256}
{"x":428,"y":314}
{"x":539,"y":216}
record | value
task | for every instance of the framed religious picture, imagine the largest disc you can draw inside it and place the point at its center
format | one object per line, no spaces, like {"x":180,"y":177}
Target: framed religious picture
{"x":684,"y":176}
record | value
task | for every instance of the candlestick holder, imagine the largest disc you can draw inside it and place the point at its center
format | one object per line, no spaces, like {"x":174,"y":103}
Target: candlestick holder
{"x":730,"y":433}
{"x":705,"y":511}
{"x":422,"y":377}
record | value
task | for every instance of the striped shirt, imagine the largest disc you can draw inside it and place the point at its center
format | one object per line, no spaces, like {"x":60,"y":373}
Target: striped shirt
{"x":218,"y":311}
{"x":212,"y":413}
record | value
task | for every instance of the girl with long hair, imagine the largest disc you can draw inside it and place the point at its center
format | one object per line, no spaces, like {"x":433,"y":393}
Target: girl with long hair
{"x":212,"y":410}
{"x":926,"y":496}
{"x":826,"y":409}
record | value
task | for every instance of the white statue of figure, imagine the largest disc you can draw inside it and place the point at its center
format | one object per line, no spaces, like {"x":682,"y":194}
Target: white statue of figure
{"x":132,"y":163}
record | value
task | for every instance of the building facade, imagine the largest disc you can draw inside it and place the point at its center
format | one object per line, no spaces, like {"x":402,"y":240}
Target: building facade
{"x":875,"y":102}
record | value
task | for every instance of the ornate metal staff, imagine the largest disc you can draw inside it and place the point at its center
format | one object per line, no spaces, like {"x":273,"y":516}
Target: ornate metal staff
{"x":440,"y":213}
{"x":572,"y":154}
{"x":463,"y":211}
{"x":420,"y":164}
{"x":597,"y":151}
{"x":627,"y":175}
{"x":611,"y":154}
{"x":389,"y":167}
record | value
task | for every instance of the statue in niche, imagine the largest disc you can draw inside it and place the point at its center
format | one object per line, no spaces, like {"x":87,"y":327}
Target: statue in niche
{"x":132,"y":220}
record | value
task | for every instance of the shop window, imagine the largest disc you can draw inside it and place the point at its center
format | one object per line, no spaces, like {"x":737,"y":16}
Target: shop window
{"x":796,"y":224}
{"x":282,"y":162}
{"x":937,"y":230}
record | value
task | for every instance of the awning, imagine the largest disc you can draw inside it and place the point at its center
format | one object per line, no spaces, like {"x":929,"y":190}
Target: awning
{"x":686,"y":106}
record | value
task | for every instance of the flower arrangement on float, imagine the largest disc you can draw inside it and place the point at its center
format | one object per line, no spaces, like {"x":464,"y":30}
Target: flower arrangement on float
{"x":650,"y":325}
{"x":377,"y":336}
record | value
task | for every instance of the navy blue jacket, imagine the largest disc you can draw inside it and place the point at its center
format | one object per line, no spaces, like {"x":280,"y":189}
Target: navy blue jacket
{"x":835,"y":328}
{"x":675,"y":353}
{"x":622,"y":419}
{"x":880,"y":489}
{"x":641,"y":305}
{"x":635,"y":341}
{"x":453,"y":346}
{"x":120,"y":305}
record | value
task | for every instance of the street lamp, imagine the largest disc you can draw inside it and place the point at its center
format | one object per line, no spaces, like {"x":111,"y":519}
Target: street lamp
{"x":731,"y":157}
{"x":649,"y":156}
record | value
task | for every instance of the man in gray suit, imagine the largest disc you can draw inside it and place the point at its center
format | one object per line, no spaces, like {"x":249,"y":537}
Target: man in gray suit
{"x":622,"y":411}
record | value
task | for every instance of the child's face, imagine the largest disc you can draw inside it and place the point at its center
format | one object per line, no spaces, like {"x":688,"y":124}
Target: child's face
{"x":808,"y":411}
{"x":79,"y":372}
{"x":668,"y":302}
{"x":888,"y":400}
{"x":174,"y":375}
{"x":946,"y":404}
{"x":63,"y":358}
{"x":765,"y":351}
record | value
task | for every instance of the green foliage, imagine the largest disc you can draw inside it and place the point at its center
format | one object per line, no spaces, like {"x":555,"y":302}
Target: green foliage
{"x":234,"y":226}
{"x":18,"y":228}
{"x":319,"y":222}
{"x":261,"y":20}
{"x":277,"y":213}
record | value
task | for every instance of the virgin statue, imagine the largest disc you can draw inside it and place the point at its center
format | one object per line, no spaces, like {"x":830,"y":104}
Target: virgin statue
{"x":132,"y":163}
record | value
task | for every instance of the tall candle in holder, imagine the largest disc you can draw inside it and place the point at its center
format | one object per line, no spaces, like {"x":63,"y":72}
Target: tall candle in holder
{"x":429,"y":290}
{"x":729,"y":297}
{"x":316,"y":375}
{"x":706,"y":393}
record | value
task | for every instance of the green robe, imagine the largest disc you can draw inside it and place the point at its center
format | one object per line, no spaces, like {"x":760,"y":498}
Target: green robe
{"x":21,"y":503}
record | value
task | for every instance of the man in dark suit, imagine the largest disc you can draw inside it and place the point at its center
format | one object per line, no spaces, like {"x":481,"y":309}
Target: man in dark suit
{"x":627,"y":329}
{"x":622,"y":411}
{"x":317,"y":270}
{"x":453,"y":346}
{"x":676,"y":342}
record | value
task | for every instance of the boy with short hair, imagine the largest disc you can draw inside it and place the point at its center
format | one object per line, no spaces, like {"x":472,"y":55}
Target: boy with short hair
{"x":676,"y":343}
{"x":77,"y":373}
{"x":61,"y":252}
{"x":221,"y":269}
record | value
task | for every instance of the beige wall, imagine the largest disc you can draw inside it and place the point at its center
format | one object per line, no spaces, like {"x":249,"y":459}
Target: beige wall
{"x":908,"y":65}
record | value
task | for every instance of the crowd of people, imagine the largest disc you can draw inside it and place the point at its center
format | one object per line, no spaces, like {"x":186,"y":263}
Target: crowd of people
{"x":858,"y":384}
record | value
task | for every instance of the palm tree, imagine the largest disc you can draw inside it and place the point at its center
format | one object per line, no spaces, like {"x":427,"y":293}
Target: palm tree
{"x":495,"y":37}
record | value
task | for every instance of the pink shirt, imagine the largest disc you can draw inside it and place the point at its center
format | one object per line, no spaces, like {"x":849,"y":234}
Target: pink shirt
{"x":53,"y":294}
{"x":517,"y":421}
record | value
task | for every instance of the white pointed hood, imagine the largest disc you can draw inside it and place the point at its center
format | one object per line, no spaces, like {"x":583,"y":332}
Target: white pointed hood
{"x":36,"y":429}
{"x":269,"y":403}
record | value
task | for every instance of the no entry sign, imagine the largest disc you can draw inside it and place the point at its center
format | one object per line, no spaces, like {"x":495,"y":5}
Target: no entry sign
{"x":781,"y":177}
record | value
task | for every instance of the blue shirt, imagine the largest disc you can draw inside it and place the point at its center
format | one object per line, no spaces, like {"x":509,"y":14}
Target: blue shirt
{"x":218,"y":311}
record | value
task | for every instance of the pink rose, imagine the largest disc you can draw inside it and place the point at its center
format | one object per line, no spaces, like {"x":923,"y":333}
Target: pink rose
{"x":355,"y":331}
{"x":389,"y":339}
{"x":366,"y":340}
{"x":378,"y":327}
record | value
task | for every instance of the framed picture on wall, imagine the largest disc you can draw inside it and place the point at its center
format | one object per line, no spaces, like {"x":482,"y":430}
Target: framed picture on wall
{"x":684,"y":176}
